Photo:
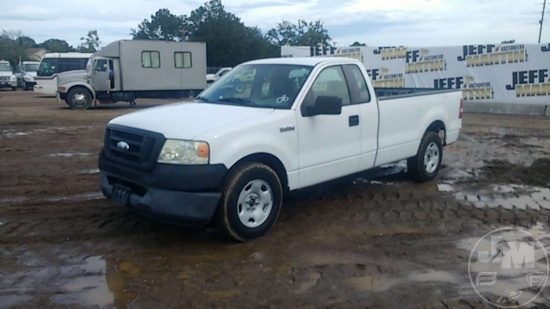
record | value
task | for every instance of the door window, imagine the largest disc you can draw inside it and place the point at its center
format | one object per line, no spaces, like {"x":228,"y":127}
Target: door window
{"x":357,"y":84}
{"x":331,"y":82}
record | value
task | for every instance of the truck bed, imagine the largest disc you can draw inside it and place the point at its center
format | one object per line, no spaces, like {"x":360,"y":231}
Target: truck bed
{"x":393,"y":93}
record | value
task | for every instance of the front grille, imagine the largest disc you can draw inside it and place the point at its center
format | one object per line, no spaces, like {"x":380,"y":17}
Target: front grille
{"x":133,"y":147}
{"x":4,"y":78}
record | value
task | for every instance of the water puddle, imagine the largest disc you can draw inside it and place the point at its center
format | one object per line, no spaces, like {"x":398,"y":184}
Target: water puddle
{"x":13,"y":133}
{"x":68,"y":154}
{"x":372,"y":283}
{"x":90,"y":171}
{"x":97,"y":282}
{"x":510,"y":265}
{"x":76,"y":198}
{"x":381,"y":283}
{"x":13,"y":200}
{"x":433,"y":276}
{"x":89,"y":196}
{"x":505,"y":196}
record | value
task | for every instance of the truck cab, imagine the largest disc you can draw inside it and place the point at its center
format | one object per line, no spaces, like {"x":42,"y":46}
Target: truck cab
{"x":7,"y":77}
{"x":26,"y":74}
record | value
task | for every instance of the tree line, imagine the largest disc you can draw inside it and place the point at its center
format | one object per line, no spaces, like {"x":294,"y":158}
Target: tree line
{"x":228,"y":40}
{"x":14,"y":44}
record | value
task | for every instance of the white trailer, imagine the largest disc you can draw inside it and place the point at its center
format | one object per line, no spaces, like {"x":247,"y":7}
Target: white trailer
{"x":128,"y":69}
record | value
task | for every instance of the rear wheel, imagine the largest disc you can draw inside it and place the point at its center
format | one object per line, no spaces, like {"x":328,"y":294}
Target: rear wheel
{"x":79,"y":98}
{"x":251,"y":201}
{"x":425,"y":165}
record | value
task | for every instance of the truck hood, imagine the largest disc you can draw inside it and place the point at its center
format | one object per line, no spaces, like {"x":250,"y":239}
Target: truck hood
{"x":6,"y":73}
{"x":70,"y":76}
{"x":188,"y":120}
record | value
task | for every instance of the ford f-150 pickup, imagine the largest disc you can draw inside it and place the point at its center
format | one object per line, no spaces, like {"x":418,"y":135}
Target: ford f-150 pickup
{"x":229,"y":156}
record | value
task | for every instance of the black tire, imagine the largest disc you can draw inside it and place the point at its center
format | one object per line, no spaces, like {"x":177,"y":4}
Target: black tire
{"x":13,"y":88}
{"x":251,"y":201}
{"x":79,"y":98}
{"x":427,"y":162}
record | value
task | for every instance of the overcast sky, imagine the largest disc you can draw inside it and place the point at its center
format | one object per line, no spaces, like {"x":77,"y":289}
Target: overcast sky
{"x":374,"y":22}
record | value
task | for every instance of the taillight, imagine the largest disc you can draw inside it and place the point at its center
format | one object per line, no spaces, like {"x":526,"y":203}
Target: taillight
{"x":461,"y":110}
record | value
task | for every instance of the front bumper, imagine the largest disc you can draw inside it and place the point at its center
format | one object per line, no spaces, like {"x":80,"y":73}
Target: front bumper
{"x":172,"y":193}
{"x":8,"y":84}
{"x":30,"y":85}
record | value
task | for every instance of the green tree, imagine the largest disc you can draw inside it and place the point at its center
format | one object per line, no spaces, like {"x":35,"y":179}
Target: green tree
{"x":228,"y":41}
{"x":302,"y":33}
{"x":358,"y":44}
{"x":162,"y":26}
{"x":26,"y":42}
{"x":90,"y":43}
{"x":56,"y":46}
{"x":10,"y":49}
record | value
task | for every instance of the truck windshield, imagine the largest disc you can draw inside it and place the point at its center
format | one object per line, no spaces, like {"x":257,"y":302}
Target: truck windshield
{"x":5,"y":67}
{"x":30,"y":67}
{"x":47,"y":67}
{"x":258,"y":85}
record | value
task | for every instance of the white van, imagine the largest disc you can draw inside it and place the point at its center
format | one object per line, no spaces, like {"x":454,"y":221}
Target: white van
{"x":53,"y":63}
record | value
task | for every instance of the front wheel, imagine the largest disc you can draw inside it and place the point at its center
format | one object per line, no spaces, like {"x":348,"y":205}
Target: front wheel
{"x":79,"y":98}
{"x":425,"y":165}
{"x":251,"y":201}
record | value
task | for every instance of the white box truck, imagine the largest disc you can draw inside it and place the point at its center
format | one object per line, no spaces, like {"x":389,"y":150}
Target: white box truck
{"x":128,"y":69}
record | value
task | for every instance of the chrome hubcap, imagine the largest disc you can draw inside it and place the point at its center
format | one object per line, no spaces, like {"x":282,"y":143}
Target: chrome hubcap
{"x":79,"y":99}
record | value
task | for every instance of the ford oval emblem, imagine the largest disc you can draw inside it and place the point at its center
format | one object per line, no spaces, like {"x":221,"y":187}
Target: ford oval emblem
{"x":122,"y":145}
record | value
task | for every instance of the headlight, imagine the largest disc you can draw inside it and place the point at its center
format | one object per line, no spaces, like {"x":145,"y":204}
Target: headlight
{"x":13,"y":78}
{"x":184,"y":152}
{"x":28,"y":78}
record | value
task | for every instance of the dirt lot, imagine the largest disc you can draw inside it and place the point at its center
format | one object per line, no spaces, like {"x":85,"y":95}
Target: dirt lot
{"x":376,"y":241}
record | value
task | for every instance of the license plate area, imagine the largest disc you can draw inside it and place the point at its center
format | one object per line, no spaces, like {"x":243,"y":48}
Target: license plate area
{"x":120,"y":195}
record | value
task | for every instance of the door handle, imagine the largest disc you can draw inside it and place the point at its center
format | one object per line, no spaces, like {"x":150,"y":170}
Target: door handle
{"x":353,"y":120}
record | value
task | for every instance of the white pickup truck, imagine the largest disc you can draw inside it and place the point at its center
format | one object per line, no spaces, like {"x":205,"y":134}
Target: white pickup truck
{"x":229,"y":156}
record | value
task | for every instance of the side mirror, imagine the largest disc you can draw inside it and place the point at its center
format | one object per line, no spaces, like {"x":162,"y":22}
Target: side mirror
{"x":323,"y":105}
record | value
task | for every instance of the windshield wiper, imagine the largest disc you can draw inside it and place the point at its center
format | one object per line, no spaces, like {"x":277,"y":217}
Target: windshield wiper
{"x":204,"y":99}
{"x":238,"y":101}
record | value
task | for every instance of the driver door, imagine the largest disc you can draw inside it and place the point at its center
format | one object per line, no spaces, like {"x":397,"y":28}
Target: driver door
{"x":100,"y":76}
{"x":329,"y":145}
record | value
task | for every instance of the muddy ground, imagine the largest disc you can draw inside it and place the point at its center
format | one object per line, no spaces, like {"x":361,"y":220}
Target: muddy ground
{"x":377,"y":240}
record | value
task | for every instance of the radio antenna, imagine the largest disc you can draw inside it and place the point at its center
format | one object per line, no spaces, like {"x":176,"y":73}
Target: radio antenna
{"x":541,"y":21}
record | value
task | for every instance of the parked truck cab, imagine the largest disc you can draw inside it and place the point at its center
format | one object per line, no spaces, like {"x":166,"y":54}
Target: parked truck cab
{"x":26,"y":76}
{"x":7,"y":78}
